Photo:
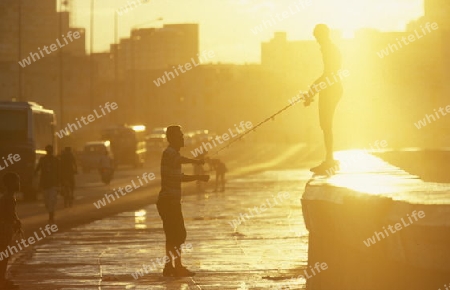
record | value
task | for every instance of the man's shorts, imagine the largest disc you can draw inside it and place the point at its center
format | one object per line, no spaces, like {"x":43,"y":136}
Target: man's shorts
{"x":173,"y":221}
{"x":328,"y":100}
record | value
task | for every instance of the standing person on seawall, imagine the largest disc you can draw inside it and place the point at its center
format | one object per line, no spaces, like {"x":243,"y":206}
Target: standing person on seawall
{"x":169,"y":200}
{"x":329,"y":96}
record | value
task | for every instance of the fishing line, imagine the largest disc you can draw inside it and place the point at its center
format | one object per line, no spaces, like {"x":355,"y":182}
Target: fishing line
{"x":272,"y":117}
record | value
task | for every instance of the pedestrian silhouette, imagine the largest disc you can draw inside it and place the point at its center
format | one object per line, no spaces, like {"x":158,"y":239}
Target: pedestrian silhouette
{"x":49,"y":166}
{"x":220,"y":169}
{"x":330,"y":90}
{"x":9,"y":224}
{"x":169,"y":201}
{"x":68,"y":171}
{"x":199,"y":170}
{"x":106,"y":168}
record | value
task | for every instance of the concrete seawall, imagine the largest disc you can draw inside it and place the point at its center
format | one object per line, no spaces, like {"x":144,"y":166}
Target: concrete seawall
{"x":370,"y":196}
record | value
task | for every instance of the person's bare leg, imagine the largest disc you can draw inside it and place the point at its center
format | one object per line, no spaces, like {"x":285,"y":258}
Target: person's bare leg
{"x":174,"y":254}
{"x":176,"y":257}
{"x":328,"y":141}
{"x":169,"y":270}
{"x":169,"y":253}
{"x":180,"y":270}
{"x":217,"y":182}
{"x":222,"y":180}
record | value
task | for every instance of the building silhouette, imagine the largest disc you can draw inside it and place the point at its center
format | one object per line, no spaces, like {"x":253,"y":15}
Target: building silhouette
{"x":392,"y":91}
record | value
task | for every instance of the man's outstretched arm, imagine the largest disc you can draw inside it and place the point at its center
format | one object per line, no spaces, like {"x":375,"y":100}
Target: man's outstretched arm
{"x":185,"y":160}
{"x":188,"y":178}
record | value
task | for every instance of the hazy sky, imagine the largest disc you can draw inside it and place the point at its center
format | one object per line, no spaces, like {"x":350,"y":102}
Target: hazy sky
{"x":226,"y":25}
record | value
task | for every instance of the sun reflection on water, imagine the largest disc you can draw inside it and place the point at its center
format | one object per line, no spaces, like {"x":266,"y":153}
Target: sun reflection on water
{"x":363,"y":172}
{"x":139,"y":219}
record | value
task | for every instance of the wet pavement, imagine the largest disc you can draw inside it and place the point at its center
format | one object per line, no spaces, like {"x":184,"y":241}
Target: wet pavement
{"x":234,"y":245}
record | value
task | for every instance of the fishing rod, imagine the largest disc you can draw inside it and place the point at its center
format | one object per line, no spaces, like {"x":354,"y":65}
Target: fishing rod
{"x":272,"y":117}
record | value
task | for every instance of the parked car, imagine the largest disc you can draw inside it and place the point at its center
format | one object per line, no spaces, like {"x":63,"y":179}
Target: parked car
{"x":92,"y":152}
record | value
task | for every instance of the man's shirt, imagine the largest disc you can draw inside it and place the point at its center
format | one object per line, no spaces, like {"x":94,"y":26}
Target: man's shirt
{"x":68,"y":164}
{"x":50,"y":171}
{"x":171,"y":175}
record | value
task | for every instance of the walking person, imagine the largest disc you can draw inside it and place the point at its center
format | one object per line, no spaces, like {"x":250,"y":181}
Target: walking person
{"x":106,"y":168}
{"x":331,"y":91}
{"x":9,"y":223}
{"x":169,"y":200}
{"x":49,"y":181}
{"x":68,"y":171}
{"x":199,"y":170}
{"x":221,"y":169}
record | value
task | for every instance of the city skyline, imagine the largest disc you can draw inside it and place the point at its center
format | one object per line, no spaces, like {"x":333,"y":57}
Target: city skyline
{"x":146,"y":73}
{"x":229,"y":26}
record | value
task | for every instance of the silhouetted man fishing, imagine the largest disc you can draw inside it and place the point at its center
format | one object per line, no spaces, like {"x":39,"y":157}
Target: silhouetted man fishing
{"x":330,"y":87}
{"x":169,"y":201}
